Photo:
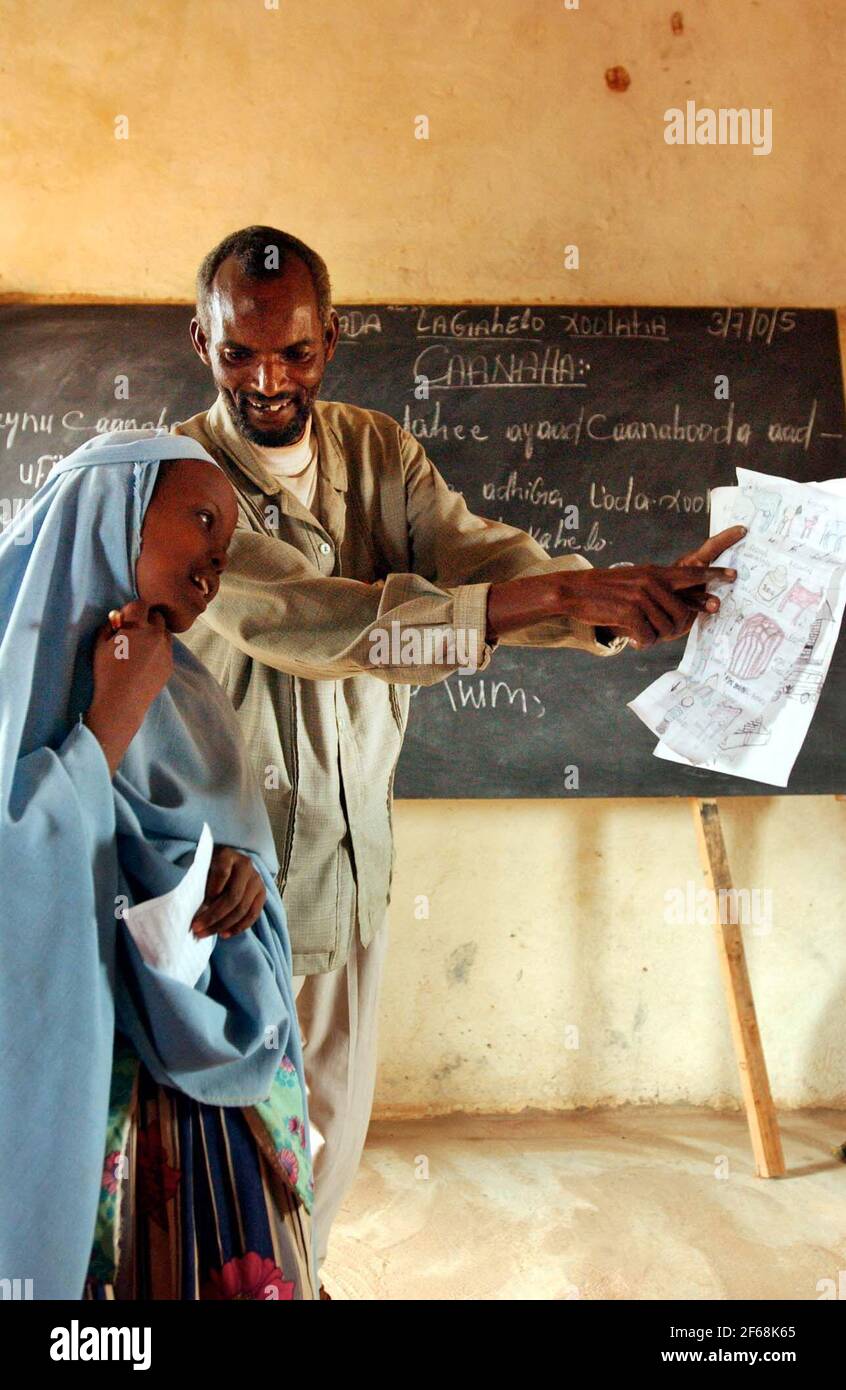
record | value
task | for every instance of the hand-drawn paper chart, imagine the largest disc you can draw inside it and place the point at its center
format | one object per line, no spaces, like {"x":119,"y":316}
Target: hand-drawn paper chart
{"x":743,"y":696}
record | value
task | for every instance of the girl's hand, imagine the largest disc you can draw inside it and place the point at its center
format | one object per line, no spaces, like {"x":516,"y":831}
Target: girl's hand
{"x":235,"y":895}
{"x":133,"y":661}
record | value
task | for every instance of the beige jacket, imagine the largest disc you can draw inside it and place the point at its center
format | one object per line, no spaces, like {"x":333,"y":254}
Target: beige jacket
{"x":288,"y":638}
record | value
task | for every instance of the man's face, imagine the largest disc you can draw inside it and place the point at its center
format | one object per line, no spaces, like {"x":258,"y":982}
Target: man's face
{"x":267,"y":349}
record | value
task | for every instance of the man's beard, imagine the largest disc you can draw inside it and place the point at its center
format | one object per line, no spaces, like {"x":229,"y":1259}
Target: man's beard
{"x":271,"y":438}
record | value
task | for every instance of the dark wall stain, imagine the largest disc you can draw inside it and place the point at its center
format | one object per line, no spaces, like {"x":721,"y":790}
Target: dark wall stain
{"x":450,"y":1065}
{"x":617,"y":79}
{"x":459,"y":962}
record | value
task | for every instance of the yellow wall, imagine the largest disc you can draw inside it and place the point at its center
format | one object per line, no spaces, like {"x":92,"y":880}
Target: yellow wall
{"x":303,"y":117}
{"x":543,"y":915}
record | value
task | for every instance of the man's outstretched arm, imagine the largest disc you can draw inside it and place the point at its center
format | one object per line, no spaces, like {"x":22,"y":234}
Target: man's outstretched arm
{"x":276,"y":606}
{"x":646,"y":603}
{"x":535,"y":600}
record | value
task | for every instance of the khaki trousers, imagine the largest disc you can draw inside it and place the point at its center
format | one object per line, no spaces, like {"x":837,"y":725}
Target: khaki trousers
{"x":338,"y":1014}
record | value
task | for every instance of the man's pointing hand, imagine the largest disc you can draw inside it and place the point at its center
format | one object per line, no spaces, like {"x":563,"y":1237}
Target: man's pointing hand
{"x":693,"y":597}
{"x":646,"y":603}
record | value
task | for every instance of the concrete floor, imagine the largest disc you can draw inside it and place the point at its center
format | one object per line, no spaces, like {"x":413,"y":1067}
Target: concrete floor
{"x":616,"y":1204}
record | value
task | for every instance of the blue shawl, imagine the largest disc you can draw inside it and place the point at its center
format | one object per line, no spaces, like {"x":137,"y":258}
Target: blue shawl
{"x":76,"y":846}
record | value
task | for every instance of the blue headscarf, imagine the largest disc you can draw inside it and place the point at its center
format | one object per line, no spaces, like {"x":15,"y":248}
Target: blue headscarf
{"x":76,"y":846}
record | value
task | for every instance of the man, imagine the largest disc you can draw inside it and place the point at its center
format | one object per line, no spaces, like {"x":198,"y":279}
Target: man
{"x":345,"y":527}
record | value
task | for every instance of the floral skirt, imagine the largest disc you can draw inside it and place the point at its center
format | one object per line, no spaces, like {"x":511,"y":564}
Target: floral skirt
{"x":200,"y":1201}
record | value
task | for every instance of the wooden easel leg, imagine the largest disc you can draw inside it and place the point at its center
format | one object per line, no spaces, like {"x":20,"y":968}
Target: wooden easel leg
{"x":760,"y":1112}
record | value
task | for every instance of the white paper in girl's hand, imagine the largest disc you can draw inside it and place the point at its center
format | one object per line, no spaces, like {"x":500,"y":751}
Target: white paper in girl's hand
{"x":161,"y":927}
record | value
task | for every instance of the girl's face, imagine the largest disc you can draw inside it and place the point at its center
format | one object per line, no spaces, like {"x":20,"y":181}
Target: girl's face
{"x":184,"y":539}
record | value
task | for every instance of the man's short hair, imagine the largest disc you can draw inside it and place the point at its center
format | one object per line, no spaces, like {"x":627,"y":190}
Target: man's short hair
{"x":262,"y":253}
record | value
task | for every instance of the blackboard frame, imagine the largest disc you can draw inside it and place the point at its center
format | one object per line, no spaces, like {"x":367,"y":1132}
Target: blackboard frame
{"x":495,"y":762}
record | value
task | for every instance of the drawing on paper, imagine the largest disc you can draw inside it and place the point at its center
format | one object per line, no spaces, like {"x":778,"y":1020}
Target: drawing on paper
{"x":803,"y":598}
{"x":749,"y":682}
{"x":766,"y":506}
{"x":833,"y":537}
{"x":757,"y":643}
{"x":751,"y":733}
{"x":772,"y":584}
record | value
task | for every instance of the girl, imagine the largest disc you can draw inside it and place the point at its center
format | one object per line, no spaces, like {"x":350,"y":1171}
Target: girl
{"x":153,"y":1136}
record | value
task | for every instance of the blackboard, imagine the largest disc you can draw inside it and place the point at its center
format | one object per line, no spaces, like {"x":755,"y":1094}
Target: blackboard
{"x":530,"y":411}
